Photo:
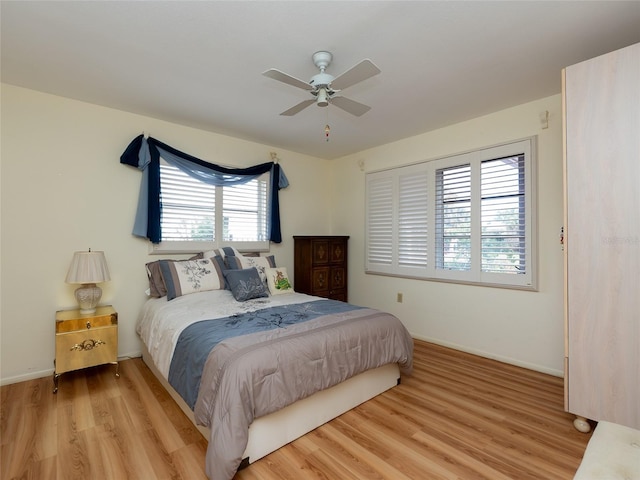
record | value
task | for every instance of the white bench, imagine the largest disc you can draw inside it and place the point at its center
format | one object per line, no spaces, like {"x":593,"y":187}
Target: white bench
{"x":613,"y":453}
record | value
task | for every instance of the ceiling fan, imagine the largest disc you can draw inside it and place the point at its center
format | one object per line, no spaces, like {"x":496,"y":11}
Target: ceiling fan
{"x":325,"y":87}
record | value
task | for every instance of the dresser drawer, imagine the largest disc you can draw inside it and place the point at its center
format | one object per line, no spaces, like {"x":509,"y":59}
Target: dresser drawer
{"x":86,"y":348}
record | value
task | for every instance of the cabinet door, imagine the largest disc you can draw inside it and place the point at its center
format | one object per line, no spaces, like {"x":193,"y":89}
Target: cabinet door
{"x":320,"y":281}
{"x":338,"y":252}
{"x":338,"y":278}
{"x":602,"y":113}
{"x":320,"y":252}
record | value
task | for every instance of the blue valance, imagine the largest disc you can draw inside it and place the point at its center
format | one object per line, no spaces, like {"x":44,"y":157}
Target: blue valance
{"x":144,"y":154}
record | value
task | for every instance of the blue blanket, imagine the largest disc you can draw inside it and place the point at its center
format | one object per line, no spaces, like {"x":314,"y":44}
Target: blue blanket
{"x":197,"y":340}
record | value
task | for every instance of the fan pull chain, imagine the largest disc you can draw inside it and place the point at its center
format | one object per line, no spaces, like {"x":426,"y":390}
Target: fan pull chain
{"x":327,"y":128}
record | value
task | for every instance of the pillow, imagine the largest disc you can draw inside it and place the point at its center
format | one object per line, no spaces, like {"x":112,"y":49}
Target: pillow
{"x":190,"y":276}
{"x":221,"y":267}
{"x":278,"y":281}
{"x":245,"y":284}
{"x":222,"y":252}
{"x":157,"y":288}
{"x":260,"y":263}
{"x":156,"y":284}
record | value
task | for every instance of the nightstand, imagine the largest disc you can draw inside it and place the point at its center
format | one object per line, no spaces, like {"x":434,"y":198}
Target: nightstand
{"x":85,"y":340}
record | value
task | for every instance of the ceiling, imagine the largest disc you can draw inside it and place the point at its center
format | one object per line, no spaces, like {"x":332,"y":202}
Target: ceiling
{"x":200,"y":63}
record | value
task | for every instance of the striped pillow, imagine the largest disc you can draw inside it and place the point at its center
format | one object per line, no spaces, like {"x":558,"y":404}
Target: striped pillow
{"x":191,"y":276}
{"x":260,"y":263}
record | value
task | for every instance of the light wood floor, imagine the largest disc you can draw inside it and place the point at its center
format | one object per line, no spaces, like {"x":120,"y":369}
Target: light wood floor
{"x":457,"y":417}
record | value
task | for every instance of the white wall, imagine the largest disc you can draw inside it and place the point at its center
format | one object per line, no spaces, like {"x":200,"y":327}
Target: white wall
{"x":520,"y":327}
{"x":63,"y":189}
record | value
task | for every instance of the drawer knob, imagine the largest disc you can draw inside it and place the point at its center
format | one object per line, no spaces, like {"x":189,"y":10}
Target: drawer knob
{"x":88,"y":344}
{"x":88,"y":325}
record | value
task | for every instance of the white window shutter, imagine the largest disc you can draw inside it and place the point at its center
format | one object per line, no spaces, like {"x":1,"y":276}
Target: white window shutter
{"x":413,"y":215}
{"x":503,"y":215}
{"x":379,"y":220}
{"x":453,"y":218}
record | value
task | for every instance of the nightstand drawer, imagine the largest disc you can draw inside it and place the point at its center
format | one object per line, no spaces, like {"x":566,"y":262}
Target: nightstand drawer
{"x":87,"y":348}
{"x":72,"y":321}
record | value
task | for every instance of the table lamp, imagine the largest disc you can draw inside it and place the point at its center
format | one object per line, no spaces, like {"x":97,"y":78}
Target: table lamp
{"x":87,"y":269}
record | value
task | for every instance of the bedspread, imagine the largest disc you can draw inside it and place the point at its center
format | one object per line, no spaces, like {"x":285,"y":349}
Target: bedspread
{"x":198,"y":339}
{"x":253,"y":375}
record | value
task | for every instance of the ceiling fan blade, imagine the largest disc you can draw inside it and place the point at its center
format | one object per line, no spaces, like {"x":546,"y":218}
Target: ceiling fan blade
{"x":298,"y":108}
{"x":350,"y":106}
{"x":286,"y":78}
{"x":363,"y":70}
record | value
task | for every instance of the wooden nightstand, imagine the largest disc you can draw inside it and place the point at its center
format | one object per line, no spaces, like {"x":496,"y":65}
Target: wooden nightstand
{"x":85,"y":340}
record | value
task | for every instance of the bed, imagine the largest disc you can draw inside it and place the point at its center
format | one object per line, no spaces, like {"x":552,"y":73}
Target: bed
{"x":255,"y":374}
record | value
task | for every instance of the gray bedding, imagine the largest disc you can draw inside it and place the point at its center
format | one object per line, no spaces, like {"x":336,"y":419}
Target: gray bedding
{"x":253,"y":375}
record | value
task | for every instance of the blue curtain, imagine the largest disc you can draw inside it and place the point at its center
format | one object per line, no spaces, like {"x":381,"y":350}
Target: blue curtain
{"x":144,"y":154}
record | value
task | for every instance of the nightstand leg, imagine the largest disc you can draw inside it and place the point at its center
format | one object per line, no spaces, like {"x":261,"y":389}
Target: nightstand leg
{"x":117,"y":373}
{"x":55,"y":377}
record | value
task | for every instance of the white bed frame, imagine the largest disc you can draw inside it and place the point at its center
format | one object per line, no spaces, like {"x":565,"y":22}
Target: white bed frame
{"x":272,"y":431}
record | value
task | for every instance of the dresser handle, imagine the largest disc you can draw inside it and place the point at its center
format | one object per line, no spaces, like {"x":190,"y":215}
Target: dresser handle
{"x":88,"y":325}
{"x":88,"y":344}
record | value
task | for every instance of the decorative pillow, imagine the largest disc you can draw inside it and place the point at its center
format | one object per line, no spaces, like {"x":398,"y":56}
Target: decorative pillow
{"x":157,"y":288}
{"x":260,"y":263}
{"x":278,"y":281}
{"x":190,"y":276}
{"x":245,"y":284}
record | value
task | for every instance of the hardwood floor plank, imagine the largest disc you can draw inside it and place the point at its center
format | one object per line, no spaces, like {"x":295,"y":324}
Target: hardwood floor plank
{"x":161,"y":461}
{"x":189,"y":461}
{"x":73,"y":461}
{"x":458,"y":416}
{"x":171,"y":410}
{"x":76,"y":394}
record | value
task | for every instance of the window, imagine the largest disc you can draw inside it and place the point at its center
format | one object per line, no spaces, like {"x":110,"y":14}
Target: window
{"x":196,"y":216}
{"x":467,"y":218}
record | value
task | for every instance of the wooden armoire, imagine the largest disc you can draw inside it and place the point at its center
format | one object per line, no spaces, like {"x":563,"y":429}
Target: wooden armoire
{"x":320,"y":266}
{"x":601,"y":106}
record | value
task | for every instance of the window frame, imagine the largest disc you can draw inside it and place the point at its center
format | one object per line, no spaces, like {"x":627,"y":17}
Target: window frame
{"x":188,"y":246}
{"x":390,"y":266}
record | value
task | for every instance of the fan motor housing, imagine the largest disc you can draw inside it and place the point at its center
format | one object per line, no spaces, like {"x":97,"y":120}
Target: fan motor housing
{"x":321,"y":80}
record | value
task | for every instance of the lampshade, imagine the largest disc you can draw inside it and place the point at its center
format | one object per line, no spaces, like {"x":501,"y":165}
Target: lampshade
{"x":322,"y":100}
{"x":88,"y":268}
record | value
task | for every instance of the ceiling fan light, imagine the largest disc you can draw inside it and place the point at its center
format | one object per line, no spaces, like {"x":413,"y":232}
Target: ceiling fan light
{"x":322,"y":101}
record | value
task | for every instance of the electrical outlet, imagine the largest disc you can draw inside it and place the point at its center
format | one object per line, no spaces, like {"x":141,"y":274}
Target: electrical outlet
{"x":399,"y":297}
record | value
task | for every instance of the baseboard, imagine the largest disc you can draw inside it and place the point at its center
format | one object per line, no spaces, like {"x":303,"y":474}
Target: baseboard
{"x":499,"y":358}
{"x":49,"y":372}
{"x":28,"y":376}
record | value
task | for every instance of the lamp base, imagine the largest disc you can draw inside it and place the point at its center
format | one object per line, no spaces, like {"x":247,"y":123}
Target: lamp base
{"x":88,"y":296}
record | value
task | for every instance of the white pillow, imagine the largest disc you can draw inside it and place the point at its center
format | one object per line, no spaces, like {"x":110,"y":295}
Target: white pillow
{"x":191,"y":276}
{"x":260,"y":263}
{"x":278,"y":281}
